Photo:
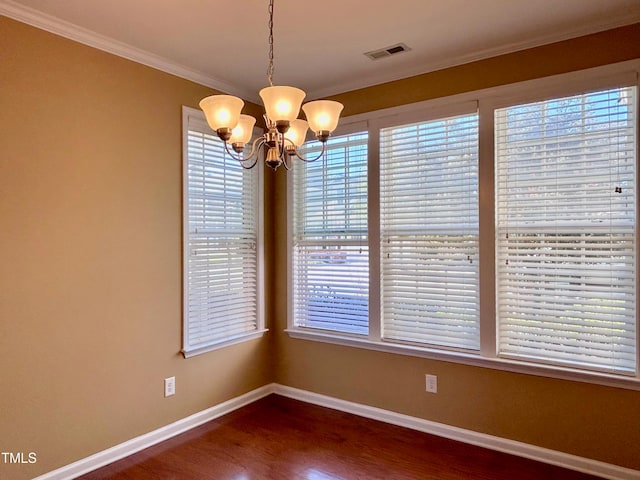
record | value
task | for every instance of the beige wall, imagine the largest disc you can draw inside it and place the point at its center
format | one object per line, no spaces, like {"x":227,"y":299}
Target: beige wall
{"x":90,"y":255}
{"x":591,"y":421}
{"x":90,"y":283}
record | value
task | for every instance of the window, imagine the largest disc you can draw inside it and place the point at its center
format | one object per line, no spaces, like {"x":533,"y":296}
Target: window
{"x":331,"y":270}
{"x":221,"y":242}
{"x":429,"y":232}
{"x":499,"y":230}
{"x":566,"y":228}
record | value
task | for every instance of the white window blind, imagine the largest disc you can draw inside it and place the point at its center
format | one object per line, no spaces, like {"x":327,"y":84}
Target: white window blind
{"x":330,"y":252}
{"x":429,"y":232}
{"x":220,"y":241}
{"x":566,"y":230}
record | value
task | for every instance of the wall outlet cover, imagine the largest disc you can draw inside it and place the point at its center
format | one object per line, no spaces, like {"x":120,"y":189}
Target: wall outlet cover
{"x":431,"y":383}
{"x":169,"y":386}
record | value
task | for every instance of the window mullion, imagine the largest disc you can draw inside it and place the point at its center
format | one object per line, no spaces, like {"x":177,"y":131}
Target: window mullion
{"x":487,"y":231}
{"x":375,"y":322}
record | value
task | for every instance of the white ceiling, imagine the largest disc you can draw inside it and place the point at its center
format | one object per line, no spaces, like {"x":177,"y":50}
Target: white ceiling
{"x":319,"y":45}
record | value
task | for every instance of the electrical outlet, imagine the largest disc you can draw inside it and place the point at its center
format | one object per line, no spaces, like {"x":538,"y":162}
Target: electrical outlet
{"x":431,"y":383}
{"x":169,"y":386}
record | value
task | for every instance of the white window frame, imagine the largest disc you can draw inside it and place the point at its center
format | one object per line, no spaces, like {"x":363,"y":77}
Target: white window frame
{"x":466,"y":109}
{"x":196,"y":119}
{"x":341,"y":273}
{"x":345,"y":128}
{"x":525,"y":229}
{"x":487,"y":100}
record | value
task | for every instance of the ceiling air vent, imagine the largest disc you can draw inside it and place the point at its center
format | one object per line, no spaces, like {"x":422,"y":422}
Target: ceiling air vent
{"x":387,"y":51}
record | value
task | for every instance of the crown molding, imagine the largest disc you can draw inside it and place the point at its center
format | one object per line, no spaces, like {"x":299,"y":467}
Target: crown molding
{"x":82,"y":35}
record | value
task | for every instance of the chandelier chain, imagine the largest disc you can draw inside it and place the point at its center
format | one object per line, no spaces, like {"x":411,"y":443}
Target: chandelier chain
{"x":270,"y":68}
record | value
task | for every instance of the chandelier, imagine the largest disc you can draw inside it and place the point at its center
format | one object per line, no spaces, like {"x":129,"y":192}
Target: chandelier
{"x":285,"y":132}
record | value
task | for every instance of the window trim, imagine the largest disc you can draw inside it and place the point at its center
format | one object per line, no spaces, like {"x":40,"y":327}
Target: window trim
{"x":609,"y":76}
{"x":196,"y":116}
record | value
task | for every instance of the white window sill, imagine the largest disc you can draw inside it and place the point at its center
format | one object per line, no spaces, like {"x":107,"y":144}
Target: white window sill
{"x":245,"y":337}
{"x":610,"y":380}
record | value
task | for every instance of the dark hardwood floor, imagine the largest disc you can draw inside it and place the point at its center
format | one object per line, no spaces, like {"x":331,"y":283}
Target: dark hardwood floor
{"x":283,"y":439}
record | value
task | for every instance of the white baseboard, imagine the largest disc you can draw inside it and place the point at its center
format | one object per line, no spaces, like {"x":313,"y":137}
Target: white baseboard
{"x":553,"y":457}
{"x":147,"y":440}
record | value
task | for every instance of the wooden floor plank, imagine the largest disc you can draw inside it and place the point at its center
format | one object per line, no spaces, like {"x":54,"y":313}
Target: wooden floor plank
{"x":283,"y":439}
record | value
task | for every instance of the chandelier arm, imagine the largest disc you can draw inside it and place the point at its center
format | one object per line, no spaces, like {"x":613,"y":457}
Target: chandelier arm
{"x":284,"y":162}
{"x":241,"y":159}
{"x":304,"y":159}
{"x":282,"y":151}
{"x":259,"y":142}
{"x":249,"y":167}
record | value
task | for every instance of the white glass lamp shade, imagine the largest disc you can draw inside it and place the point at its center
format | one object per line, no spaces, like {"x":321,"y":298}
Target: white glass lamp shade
{"x":282,"y":103}
{"x":322,"y":115}
{"x":297,"y":132}
{"x":222,"y":111}
{"x":243,"y":131}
